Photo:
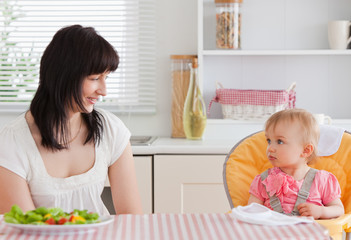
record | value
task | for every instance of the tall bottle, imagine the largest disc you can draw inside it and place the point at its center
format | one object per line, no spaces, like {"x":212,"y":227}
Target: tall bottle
{"x":194,"y":116}
{"x":180,"y":84}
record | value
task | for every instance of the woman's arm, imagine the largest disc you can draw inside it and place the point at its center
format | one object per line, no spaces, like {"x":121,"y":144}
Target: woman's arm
{"x":14,"y":190}
{"x":124,"y":187}
{"x":332,"y":210}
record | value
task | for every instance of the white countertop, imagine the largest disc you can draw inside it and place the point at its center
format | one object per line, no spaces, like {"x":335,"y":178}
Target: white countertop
{"x":184,"y":146}
{"x":219,"y":137}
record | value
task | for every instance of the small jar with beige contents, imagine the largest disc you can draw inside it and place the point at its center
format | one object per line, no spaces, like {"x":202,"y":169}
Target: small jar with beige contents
{"x":180,"y":84}
{"x":228,"y":17}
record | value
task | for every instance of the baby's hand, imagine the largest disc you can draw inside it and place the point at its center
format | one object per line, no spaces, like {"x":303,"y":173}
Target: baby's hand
{"x":310,"y":210}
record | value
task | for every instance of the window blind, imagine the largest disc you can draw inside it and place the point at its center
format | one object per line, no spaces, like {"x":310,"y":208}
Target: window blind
{"x":28,"y":26}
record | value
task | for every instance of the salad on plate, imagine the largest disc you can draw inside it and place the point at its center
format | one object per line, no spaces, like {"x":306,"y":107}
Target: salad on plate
{"x":50,"y":216}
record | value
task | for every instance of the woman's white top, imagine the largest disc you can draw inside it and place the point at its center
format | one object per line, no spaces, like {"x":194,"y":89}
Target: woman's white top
{"x":19,"y":154}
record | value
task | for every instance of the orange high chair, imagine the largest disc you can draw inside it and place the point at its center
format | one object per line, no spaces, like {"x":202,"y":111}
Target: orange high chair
{"x":248,"y":159}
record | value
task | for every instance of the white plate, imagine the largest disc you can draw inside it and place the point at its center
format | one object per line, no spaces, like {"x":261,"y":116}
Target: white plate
{"x":61,"y":229}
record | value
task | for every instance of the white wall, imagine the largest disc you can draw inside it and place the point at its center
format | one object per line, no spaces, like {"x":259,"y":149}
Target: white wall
{"x":323,"y":82}
{"x":176,"y":34}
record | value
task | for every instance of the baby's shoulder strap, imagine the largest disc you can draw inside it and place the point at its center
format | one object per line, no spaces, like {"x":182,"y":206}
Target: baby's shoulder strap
{"x":264,"y":175}
{"x":273,"y":200}
{"x":302,"y":195}
{"x":304,"y":191}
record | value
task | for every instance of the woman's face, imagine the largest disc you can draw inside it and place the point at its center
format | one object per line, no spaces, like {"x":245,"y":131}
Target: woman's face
{"x":94,"y":86}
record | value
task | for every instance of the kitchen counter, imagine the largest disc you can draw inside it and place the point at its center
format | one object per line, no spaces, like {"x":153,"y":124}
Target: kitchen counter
{"x":184,"y":146}
{"x":219,"y":137}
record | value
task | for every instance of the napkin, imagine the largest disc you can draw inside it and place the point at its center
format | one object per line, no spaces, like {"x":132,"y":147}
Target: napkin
{"x":329,"y":140}
{"x":258,"y":214}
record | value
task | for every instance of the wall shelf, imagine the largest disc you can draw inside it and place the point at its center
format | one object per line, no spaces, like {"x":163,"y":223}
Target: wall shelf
{"x":282,"y":42}
{"x":314,"y":52}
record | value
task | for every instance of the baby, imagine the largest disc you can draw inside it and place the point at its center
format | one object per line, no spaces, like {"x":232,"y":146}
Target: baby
{"x":291,"y":186}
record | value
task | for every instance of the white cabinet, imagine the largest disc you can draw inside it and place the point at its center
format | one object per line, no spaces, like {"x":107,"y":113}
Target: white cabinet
{"x":143,"y":169}
{"x":283,"y":41}
{"x":189,"y":184}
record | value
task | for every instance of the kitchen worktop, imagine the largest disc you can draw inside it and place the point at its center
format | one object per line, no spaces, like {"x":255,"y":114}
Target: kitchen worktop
{"x":184,"y":146}
{"x":219,"y":137}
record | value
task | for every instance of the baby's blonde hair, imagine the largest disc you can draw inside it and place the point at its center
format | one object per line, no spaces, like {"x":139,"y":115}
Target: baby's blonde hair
{"x":308,"y":124}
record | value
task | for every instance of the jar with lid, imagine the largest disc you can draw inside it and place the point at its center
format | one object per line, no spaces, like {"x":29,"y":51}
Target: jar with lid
{"x":228,"y":17}
{"x":180,"y":83}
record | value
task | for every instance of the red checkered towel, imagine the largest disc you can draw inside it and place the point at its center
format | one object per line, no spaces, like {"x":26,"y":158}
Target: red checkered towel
{"x":254,"y":97}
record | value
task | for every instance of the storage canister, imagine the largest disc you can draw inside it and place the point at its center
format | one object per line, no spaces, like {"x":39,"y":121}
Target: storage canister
{"x":228,"y":25}
{"x":180,"y":83}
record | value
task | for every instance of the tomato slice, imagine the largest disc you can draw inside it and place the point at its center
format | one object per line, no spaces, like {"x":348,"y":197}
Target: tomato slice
{"x":62,"y":221}
{"x":50,"y":221}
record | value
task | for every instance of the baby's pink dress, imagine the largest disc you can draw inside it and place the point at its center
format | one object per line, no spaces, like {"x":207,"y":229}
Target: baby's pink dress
{"x":325,"y":188}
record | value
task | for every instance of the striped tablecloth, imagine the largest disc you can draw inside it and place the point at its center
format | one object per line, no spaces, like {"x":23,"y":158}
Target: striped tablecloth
{"x":177,"y":226}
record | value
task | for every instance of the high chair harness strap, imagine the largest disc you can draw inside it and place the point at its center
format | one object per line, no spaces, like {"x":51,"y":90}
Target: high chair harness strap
{"x":302,"y":195}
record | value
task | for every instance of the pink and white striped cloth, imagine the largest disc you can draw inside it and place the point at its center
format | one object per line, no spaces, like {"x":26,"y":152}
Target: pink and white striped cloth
{"x":178,"y":226}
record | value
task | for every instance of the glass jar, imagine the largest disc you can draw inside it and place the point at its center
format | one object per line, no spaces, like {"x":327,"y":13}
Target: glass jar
{"x":180,"y":84}
{"x":228,"y":25}
{"x":194,"y":116}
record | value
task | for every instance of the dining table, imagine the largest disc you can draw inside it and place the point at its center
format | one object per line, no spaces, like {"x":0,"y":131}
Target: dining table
{"x":170,"y":226}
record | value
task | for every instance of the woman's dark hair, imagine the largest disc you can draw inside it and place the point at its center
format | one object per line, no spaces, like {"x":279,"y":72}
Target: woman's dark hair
{"x":74,"y":53}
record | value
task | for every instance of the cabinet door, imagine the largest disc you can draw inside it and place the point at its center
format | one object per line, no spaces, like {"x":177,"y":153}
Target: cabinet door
{"x":143,"y":169}
{"x":189,"y":184}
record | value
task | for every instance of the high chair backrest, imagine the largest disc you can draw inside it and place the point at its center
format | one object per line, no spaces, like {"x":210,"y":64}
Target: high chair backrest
{"x":248,"y":159}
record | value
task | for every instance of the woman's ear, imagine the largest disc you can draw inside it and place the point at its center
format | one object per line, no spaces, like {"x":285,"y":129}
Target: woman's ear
{"x":307,"y":151}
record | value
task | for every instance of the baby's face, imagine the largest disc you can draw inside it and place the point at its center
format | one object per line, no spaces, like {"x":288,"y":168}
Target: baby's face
{"x":285,"y":148}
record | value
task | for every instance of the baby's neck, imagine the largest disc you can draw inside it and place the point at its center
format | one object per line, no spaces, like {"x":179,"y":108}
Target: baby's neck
{"x":297,"y":173}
